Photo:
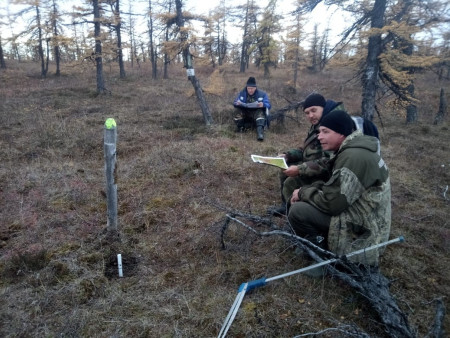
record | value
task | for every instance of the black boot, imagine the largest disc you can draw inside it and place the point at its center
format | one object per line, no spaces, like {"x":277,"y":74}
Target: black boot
{"x":260,"y":132}
{"x":239,"y":125}
{"x":260,"y":129}
{"x":277,"y":211}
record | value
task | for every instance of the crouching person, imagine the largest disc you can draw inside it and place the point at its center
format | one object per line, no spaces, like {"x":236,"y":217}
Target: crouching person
{"x":252,"y":105}
{"x":352,"y":210}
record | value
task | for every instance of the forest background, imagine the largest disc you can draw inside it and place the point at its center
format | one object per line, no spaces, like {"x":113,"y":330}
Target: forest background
{"x":182,"y":169}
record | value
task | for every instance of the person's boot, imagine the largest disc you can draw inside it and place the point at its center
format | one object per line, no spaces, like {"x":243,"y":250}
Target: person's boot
{"x":260,"y":129}
{"x":239,"y":125}
{"x":277,"y":211}
{"x":260,"y":132}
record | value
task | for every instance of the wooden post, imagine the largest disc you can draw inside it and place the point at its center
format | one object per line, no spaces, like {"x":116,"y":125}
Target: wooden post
{"x":110,"y":138}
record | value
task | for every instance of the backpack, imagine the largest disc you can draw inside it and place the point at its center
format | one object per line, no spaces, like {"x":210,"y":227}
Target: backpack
{"x":367,"y":126}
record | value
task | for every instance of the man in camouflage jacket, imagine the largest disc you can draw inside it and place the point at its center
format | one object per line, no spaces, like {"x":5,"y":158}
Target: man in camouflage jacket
{"x":351,"y":210}
{"x":307,"y":163}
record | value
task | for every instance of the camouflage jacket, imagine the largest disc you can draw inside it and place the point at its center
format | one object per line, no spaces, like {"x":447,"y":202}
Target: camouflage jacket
{"x":311,"y":159}
{"x":357,"y":196}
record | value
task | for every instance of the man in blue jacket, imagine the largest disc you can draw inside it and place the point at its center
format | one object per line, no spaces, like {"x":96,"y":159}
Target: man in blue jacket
{"x":252,"y":105}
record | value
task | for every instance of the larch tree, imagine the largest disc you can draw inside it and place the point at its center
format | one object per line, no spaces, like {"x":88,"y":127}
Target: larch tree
{"x":36,"y":30}
{"x":80,"y":16}
{"x":116,"y":23}
{"x":246,"y":17}
{"x":314,"y":49}
{"x":215,"y":41}
{"x":182,"y":46}
{"x":98,"y":47}
{"x":151,"y":36}
{"x":293,"y":53}
{"x":266,"y":44}
{"x":55,"y":19}
{"x":2,"y":56}
{"x":375,"y":19}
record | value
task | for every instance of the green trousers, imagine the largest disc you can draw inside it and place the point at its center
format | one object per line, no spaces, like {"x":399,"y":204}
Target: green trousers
{"x":310,"y":223}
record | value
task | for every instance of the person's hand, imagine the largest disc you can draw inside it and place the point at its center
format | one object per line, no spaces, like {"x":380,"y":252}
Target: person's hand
{"x":292,"y":171}
{"x":260,"y":104}
{"x":238,"y":103}
{"x":294,"y":197}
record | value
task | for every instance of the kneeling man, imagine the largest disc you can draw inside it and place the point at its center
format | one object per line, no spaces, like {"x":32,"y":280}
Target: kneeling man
{"x":352,"y":210}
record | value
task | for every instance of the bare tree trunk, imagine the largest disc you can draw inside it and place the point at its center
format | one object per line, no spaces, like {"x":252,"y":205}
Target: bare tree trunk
{"x":187,"y":58}
{"x":411,"y":109}
{"x":244,"y":49}
{"x":40,"y":38}
{"x":2,"y":57}
{"x":56,"y":50}
{"x":442,"y":108}
{"x":118,"y":28}
{"x":152,"y":44}
{"x":370,"y":75}
{"x":98,"y":49}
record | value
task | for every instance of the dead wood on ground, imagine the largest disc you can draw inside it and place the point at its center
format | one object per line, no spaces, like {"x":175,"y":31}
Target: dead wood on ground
{"x":368,"y":282}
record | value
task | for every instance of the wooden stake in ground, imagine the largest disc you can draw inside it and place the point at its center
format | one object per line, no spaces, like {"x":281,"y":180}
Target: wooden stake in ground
{"x":110,"y":139}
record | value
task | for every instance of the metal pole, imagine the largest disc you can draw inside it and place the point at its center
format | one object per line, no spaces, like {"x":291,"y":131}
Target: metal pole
{"x":110,"y":139}
{"x":332,"y":260}
{"x":263,"y":281}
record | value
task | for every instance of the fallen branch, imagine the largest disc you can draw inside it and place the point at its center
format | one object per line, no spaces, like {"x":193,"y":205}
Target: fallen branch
{"x":437,"y":330}
{"x":370,"y":283}
{"x":280,"y":114}
{"x":348,"y":330}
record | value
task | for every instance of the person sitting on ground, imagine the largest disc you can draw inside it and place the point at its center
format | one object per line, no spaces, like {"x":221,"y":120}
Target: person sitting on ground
{"x":351,"y":210}
{"x":251,"y":104}
{"x":306,"y":164}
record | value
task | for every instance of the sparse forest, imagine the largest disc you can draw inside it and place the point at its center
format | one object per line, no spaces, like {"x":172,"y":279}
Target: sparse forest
{"x":192,"y":222}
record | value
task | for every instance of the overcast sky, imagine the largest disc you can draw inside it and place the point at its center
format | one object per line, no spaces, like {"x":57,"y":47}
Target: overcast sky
{"x":321,"y":15}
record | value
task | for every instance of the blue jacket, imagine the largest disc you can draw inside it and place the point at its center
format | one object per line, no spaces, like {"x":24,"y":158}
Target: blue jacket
{"x":258,"y":96}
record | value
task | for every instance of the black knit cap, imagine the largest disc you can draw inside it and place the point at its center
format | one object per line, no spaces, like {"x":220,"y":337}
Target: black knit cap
{"x":339,"y":121}
{"x":251,"y":82}
{"x":314,"y":100}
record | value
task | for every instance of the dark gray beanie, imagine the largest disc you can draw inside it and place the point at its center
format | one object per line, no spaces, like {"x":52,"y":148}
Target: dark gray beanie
{"x":251,"y":82}
{"x":314,"y":100}
{"x":339,"y":121}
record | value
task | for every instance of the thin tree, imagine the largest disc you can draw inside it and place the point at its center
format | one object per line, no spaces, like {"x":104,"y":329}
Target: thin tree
{"x":266,"y":43}
{"x":36,"y":30}
{"x":183,"y":47}
{"x":54,"y":17}
{"x":98,"y":47}
{"x":314,"y":50}
{"x":293,"y":48}
{"x":247,"y":17}
{"x":442,"y":112}
{"x":372,"y":66}
{"x":152,"y":51}
{"x":2,"y":56}
{"x":116,"y":24}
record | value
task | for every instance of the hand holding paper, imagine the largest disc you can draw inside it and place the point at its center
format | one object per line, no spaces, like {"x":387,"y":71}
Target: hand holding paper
{"x":279,"y":162}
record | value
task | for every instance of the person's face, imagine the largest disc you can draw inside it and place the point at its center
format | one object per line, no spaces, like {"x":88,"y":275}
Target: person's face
{"x":251,"y":90}
{"x":314,"y":114}
{"x":329,"y":139}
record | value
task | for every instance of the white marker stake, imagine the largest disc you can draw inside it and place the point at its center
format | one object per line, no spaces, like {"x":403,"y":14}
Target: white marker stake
{"x":119,"y":264}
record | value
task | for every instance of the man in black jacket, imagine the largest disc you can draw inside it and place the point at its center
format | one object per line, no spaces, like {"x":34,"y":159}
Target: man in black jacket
{"x":307,"y":163}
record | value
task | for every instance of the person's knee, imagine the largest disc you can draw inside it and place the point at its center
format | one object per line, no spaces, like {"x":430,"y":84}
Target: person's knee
{"x":296,"y":216}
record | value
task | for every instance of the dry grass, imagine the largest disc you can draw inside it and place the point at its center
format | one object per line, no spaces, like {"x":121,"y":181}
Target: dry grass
{"x":58,"y":272}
